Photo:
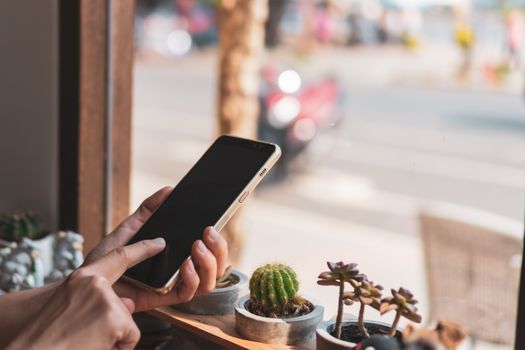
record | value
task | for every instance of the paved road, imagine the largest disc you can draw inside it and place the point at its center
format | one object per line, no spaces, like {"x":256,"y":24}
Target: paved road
{"x":406,"y":146}
{"x":398,"y":147}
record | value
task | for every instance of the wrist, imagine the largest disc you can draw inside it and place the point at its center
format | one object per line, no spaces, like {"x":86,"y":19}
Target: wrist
{"x":20,"y":308}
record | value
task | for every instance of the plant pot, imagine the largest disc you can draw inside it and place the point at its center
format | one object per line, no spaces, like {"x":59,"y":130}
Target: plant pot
{"x":32,"y":263}
{"x":326,"y":341}
{"x":289,"y":331}
{"x":219,"y":301}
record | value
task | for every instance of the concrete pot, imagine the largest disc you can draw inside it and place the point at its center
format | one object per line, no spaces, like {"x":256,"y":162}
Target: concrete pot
{"x":288,"y":331}
{"x":219,"y":301}
{"x":326,"y":341}
{"x":33,"y":263}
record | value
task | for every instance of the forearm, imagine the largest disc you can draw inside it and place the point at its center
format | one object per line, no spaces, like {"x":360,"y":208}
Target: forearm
{"x":19,"y":308}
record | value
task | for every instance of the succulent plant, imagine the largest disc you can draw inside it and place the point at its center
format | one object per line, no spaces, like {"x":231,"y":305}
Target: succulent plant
{"x":366,"y":293}
{"x":227,"y":279}
{"x":18,"y":225}
{"x":338,"y":274}
{"x":273,"y":292}
{"x":403,"y":302}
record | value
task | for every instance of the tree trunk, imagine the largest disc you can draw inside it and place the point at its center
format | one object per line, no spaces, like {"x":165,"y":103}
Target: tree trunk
{"x":241,"y":45}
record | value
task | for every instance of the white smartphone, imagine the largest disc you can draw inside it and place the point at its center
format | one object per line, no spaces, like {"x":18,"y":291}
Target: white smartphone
{"x":208,"y":195}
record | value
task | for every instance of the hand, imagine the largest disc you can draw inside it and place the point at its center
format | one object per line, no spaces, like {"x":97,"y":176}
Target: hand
{"x":198,"y":274}
{"x":84,"y":312}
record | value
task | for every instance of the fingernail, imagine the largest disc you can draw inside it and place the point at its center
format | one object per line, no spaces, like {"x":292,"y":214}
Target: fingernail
{"x":201,"y":247}
{"x":214,"y":235}
{"x":191,"y":268}
{"x":159,"y":241}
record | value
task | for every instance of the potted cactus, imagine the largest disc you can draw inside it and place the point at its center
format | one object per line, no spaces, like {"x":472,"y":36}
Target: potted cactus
{"x":273,"y":312}
{"x":31,"y":256}
{"x":346,"y":334}
{"x":220,"y":301}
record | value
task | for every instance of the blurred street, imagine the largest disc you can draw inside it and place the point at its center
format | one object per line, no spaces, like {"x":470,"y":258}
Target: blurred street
{"x":383,"y":109}
{"x":396,"y":146}
{"x":402,"y":144}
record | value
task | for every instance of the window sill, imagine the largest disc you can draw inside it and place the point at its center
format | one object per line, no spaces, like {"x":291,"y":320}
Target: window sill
{"x":218,"y":329}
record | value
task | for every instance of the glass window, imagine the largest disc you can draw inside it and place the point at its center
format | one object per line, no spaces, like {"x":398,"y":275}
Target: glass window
{"x":402,"y":126}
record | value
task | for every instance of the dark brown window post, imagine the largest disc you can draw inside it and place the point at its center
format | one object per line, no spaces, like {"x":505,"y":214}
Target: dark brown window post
{"x":96,"y":57}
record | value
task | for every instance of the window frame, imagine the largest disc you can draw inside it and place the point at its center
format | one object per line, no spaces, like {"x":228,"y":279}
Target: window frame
{"x":95,"y":99}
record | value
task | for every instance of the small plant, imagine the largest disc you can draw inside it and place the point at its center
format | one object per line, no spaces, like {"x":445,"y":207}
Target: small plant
{"x":337,"y":276}
{"x":227,"y":279}
{"x":19,"y":225}
{"x":403,"y":302}
{"x":273,"y":292}
{"x":366,"y":293}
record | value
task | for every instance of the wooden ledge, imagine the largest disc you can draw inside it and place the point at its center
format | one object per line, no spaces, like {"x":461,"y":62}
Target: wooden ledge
{"x":219,"y":330}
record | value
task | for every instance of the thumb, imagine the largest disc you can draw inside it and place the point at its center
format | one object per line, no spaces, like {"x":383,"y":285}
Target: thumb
{"x":129,"y":304}
{"x":113,"y":265}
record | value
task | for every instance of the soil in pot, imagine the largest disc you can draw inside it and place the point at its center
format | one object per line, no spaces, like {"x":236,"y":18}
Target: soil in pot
{"x":291,"y":329}
{"x":350,"y":332}
{"x":297,"y":306}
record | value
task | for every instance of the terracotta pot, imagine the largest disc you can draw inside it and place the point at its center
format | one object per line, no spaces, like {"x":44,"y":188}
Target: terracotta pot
{"x":220,"y":301}
{"x":326,"y":341}
{"x":289,"y":331}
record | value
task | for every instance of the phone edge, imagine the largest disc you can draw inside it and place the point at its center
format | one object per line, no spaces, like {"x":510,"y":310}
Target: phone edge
{"x":223,"y":220}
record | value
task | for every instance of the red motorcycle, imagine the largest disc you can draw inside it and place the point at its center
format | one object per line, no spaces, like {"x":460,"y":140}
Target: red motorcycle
{"x":293,"y":112}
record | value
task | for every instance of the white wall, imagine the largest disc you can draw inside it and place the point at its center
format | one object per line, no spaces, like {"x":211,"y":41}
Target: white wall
{"x":28,"y":107}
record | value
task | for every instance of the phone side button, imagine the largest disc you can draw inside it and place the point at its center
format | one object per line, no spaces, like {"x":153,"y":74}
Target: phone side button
{"x":243,"y":197}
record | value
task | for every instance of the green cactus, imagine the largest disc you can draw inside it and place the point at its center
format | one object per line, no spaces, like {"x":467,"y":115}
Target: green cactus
{"x":18,"y":225}
{"x":272,"y":285}
{"x":273,"y":292}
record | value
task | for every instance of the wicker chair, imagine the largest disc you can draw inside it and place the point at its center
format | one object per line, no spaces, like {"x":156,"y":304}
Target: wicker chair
{"x":471,"y":268}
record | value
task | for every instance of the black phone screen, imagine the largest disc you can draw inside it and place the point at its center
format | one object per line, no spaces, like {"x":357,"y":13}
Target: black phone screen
{"x":199,"y":200}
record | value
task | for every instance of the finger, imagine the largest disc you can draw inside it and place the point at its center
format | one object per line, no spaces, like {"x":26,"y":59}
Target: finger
{"x":184,"y":290}
{"x":218,"y":247}
{"x":130,"y":337}
{"x":129,"y":304}
{"x":188,"y":286}
{"x":127,"y":229}
{"x":206,"y":266}
{"x":116,"y":262}
{"x":151,"y":204}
